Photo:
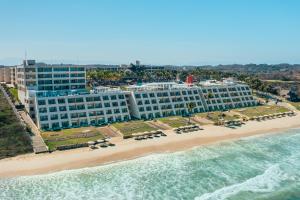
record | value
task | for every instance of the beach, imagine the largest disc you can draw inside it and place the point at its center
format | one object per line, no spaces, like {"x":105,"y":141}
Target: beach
{"x":32,"y":164}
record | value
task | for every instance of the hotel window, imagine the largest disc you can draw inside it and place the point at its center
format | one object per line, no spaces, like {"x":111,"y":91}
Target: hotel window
{"x":148,"y":108}
{"x":105,"y":98}
{"x":42,"y":110}
{"x":100,"y":112}
{"x":108,"y":112}
{"x":55,"y":125}
{"x":72,"y":100}
{"x":106,"y":105}
{"x":65,"y":124}
{"x":43,"y":118}
{"x":124,"y":110}
{"x":113,"y":97}
{"x":115,"y":104}
{"x":145,"y":95}
{"x":151,"y":95}
{"x":98,"y":105}
{"x":89,"y":99}
{"x":116,"y":111}
{"x":64,"y":116}
{"x":61,"y":101}
{"x":51,"y":101}
{"x":83,"y":114}
{"x":91,"y":114}
{"x":52,"y":109}
{"x":72,"y":107}
{"x":45,"y":126}
{"x":54,"y":117}
{"x":121,"y":96}
{"x":123,"y":103}
{"x":90,"y":106}
{"x":97,"y":98}
{"x":137,"y":96}
{"x":80,"y":107}
{"x":41,"y":102}
{"x":79,"y":100}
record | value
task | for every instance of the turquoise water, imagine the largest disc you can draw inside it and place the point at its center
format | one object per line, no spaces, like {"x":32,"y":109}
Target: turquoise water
{"x":253,"y":168}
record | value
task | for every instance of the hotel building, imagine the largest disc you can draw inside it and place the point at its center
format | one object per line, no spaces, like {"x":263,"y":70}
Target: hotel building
{"x":55,"y":97}
{"x":32,"y":77}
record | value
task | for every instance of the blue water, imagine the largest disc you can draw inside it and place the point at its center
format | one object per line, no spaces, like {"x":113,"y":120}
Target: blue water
{"x":265,"y":167}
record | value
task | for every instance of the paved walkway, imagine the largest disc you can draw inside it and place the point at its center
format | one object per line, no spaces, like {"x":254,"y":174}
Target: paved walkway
{"x":38,"y":143}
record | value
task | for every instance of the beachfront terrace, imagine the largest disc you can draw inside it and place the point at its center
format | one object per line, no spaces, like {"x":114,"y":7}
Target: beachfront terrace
{"x":261,"y":110}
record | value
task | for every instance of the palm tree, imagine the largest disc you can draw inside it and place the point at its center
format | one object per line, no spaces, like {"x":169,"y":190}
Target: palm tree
{"x":190,"y":107}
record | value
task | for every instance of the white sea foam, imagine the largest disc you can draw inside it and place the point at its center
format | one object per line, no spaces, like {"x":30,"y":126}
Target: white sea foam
{"x":265,"y":182}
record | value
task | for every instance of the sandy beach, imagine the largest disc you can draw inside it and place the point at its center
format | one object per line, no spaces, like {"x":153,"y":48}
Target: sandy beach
{"x":32,"y":164}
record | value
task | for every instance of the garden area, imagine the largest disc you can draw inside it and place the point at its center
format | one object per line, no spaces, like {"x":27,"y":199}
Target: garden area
{"x":175,"y":121}
{"x":217,"y":115}
{"x":14,"y":140}
{"x":73,"y":136}
{"x":128,"y":128}
{"x":261,"y":110}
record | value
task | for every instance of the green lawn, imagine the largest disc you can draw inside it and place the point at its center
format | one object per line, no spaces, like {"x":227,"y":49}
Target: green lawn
{"x":54,"y":139}
{"x":14,"y":92}
{"x":128,"y":128}
{"x":175,"y":121}
{"x":14,"y":139}
{"x":215,"y":116}
{"x":296,"y":105}
{"x":261,"y":110}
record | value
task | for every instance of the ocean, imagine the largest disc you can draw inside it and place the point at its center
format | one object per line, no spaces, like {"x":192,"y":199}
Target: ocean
{"x":260,"y":167}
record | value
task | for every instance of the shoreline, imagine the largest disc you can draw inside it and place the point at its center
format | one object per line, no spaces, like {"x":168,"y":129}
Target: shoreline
{"x":32,"y":164}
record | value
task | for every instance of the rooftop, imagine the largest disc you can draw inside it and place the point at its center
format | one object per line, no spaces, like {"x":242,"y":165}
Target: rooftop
{"x":159,"y":86}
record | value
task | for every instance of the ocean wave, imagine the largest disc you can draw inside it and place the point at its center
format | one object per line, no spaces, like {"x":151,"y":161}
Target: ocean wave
{"x":265,"y":182}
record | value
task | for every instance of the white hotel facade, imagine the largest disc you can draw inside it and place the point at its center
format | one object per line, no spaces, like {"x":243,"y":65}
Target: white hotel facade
{"x":55,"y":97}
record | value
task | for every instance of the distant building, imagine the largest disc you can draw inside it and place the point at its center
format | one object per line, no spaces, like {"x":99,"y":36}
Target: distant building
{"x":5,"y":75}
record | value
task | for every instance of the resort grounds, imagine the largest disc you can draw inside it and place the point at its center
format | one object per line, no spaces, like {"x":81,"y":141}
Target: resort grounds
{"x":83,"y":135}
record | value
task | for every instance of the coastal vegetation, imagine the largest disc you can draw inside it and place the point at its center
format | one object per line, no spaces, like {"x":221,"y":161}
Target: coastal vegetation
{"x":82,"y":135}
{"x":14,"y":93}
{"x":296,"y":105}
{"x":14,"y":139}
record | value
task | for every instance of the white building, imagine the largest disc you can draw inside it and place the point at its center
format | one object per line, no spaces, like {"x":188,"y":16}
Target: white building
{"x":63,"y":109}
{"x":32,"y":76}
{"x":164,"y":99}
{"x":55,"y":97}
{"x":226,"y":95}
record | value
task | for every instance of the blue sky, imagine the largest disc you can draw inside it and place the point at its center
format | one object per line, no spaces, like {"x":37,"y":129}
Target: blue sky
{"x":186,"y":32}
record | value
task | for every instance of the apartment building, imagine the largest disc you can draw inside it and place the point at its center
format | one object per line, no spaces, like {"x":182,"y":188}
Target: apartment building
{"x":5,"y":75}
